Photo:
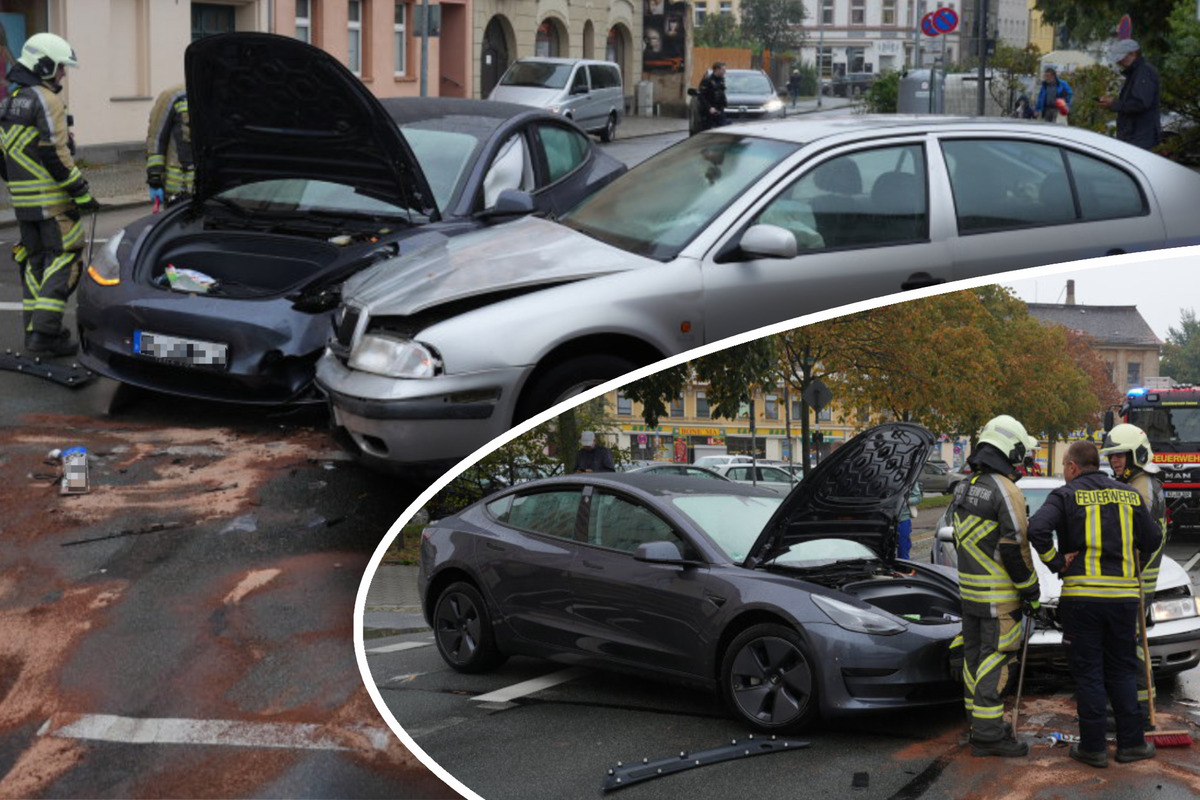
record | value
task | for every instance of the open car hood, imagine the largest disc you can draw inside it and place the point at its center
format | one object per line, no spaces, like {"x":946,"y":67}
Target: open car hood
{"x":267,"y":107}
{"x":856,"y":493}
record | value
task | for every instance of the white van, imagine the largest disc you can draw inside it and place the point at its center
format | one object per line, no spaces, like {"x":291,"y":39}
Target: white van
{"x":588,"y":92}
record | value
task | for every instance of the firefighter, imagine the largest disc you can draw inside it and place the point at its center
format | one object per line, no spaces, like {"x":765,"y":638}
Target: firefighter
{"x":49,"y":194}
{"x":1100,"y":523}
{"x":169,"y":167}
{"x":1132,"y":462}
{"x":996,"y":579}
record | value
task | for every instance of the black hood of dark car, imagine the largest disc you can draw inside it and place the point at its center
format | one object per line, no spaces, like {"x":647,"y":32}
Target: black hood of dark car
{"x":267,"y":107}
{"x":856,"y":493}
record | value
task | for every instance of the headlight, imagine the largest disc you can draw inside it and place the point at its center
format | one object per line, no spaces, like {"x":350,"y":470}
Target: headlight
{"x":1178,"y":608}
{"x":555,"y":109}
{"x":105,"y":269}
{"x":394,"y":357}
{"x":856,"y":619}
{"x":773,"y":105}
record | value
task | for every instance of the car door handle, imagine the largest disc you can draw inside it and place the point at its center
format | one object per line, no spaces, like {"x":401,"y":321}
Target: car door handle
{"x":919,"y":280}
{"x":1116,"y":251}
{"x":494,"y":546}
{"x":592,"y":564}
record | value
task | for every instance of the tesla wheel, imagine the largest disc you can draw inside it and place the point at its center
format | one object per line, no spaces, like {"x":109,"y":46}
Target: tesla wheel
{"x":463,"y":630}
{"x":768,"y":679}
{"x":610,"y":129}
{"x":570,"y":378}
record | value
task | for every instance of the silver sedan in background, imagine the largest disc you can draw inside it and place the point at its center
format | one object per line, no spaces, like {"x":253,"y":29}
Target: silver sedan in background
{"x":438,"y":352}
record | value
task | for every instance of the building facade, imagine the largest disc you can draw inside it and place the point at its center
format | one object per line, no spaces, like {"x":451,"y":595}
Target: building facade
{"x":844,"y":36}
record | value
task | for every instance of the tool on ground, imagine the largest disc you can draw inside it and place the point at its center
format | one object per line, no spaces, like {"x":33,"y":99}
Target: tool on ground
{"x":1026,"y":636}
{"x":1173,"y":738}
{"x":623,"y":775}
{"x":62,"y":374}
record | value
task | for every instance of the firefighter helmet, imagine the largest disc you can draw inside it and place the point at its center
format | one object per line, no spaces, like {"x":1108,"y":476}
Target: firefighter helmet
{"x":1009,"y":437}
{"x":44,"y":53}
{"x":1131,"y":439}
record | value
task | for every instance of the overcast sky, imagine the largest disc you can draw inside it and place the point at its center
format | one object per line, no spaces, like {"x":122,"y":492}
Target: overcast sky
{"x":1159,"y":285}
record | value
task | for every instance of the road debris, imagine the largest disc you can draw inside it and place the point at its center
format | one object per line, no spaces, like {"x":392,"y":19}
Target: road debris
{"x":623,"y":775}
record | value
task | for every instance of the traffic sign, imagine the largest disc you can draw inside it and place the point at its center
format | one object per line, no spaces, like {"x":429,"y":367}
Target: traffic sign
{"x":945,"y":20}
{"x":1125,"y":28}
{"x":927,"y":26}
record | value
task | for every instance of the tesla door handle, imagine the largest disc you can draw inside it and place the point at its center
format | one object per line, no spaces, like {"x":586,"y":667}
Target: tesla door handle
{"x":592,"y":564}
{"x":919,"y":280}
{"x":1116,"y":251}
{"x":494,"y":546}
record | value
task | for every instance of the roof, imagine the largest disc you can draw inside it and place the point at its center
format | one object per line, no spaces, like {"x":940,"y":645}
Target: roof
{"x":1107,"y":325}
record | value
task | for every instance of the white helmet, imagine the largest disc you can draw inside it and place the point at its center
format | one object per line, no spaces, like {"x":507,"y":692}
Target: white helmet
{"x":1126,"y":438}
{"x":44,"y":53}
{"x":1009,"y":437}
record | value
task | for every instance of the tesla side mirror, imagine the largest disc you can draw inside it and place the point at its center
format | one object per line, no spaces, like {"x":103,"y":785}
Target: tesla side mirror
{"x":1108,"y":421}
{"x":658,"y":553}
{"x":510,"y":203}
{"x":770,"y":241}
{"x":692,"y":92}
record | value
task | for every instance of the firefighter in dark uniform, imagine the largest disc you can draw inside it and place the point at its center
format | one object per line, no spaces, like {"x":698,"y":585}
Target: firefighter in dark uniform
{"x":1100,"y":523}
{"x":996,"y":579}
{"x":169,"y":166}
{"x":48,"y":192}
{"x":1132,"y":462}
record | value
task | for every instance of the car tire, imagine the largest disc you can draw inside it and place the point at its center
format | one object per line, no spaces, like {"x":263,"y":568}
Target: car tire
{"x":769,"y":679}
{"x":462,"y":629}
{"x":609,"y":132}
{"x":568,"y":379}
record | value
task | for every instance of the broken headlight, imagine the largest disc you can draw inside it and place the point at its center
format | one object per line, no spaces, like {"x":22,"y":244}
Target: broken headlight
{"x":394,"y":357}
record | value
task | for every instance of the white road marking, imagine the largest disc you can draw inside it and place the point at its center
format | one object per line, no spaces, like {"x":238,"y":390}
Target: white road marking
{"x":412,"y":676}
{"x":529,"y":687}
{"x":394,"y":648}
{"x":1192,"y":562}
{"x":229,"y":733}
{"x":440,"y":725}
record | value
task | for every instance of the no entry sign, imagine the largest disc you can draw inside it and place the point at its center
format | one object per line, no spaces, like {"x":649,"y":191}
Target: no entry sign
{"x":943,"y":20}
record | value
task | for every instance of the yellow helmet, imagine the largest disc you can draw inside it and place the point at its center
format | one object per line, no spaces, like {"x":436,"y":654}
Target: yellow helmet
{"x":1009,"y":437}
{"x":1126,"y":438}
{"x":44,"y":53}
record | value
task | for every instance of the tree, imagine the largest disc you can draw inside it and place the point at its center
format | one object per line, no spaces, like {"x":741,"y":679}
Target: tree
{"x":719,"y":30}
{"x":1181,"y":351}
{"x":773,"y":25}
{"x":1096,"y":20}
{"x":1180,"y":81}
{"x":1011,"y":64}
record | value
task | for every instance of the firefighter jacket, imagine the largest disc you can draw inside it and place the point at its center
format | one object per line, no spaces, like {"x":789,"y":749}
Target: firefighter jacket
{"x":37,"y":165}
{"x":995,"y":568}
{"x":169,"y":164}
{"x":1102,"y":521}
{"x":1151,"y":491}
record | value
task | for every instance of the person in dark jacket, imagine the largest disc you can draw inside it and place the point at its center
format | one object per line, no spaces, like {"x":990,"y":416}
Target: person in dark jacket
{"x":711,"y":98}
{"x":1053,"y":89}
{"x":793,"y":86}
{"x":1137,"y":104}
{"x":593,"y":457}
{"x":1100,"y":524}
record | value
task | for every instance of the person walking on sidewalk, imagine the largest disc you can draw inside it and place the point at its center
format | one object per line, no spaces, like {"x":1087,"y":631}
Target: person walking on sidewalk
{"x":48,"y":191}
{"x":1052,"y":90}
{"x":1102,"y":527}
{"x":711,"y":98}
{"x":793,"y":86}
{"x":169,"y":167}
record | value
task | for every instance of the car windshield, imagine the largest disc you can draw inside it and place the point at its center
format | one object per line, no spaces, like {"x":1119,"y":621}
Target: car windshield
{"x":658,"y":207}
{"x":732,"y":521}
{"x":303,"y":196}
{"x":445,"y":148}
{"x":1169,"y":429}
{"x":747,"y":83}
{"x":541,"y":74}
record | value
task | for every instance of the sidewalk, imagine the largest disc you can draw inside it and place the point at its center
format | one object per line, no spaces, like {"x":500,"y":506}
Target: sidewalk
{"x":393,"y":605}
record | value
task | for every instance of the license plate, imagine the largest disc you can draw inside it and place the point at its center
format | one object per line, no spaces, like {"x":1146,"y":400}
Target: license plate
{"x":177,"y":350}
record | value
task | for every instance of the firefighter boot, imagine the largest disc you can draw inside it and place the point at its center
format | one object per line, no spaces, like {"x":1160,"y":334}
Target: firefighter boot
{"x":1093,"y":758}
{"x":48,"y":344}
{"x":1005,"y":748}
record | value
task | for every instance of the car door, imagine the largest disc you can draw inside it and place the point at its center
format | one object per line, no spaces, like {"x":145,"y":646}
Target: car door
{"x":861,"y":220}
{"x":1023,"y":202}
{"x":563,"y":155}
{"x":580,"y":101}
{"x":629,"y":610}
{"x":526,"y":566}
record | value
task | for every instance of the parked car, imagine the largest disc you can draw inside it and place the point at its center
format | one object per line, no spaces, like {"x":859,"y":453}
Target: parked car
{"x":685,"y":470}
{"x":588,"y":92}
{"x":716,"y":461}
{"x":851,"y":84}
{"x":726,"y":231}
{"x":936,"y":479}
{"x":302,"y":179}
{"x":750,"y":96}
{"x":792,"y":608}
{"x":768,"y":476}
{"x":1174,"y":630}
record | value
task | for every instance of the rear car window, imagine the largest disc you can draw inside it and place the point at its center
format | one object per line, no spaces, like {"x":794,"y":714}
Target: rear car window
{"x":552,"y":513}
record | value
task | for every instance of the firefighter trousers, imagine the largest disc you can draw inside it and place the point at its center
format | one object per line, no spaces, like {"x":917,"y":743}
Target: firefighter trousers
{"x":51,"y":272}
{"x":989,"y":644}
{"x":1100,"y":638}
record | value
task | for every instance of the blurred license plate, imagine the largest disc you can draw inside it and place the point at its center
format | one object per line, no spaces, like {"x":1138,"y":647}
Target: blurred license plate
{"x":176,"y":350}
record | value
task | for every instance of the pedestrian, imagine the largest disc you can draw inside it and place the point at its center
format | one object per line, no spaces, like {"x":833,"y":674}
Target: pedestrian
{"x":169,"y":167}
{"x":49,"y":194}
{"x":793,"y":86}
{"x":591,"y":456}
{"x":1099,"y":523}
{"x":711,"y":97}
{"x":1137,"y":103}
{"x":904,"y":528}
{"x":1023,"y":109}
{"x":997,"y":580}
{"x":1132,"y":462}
{"x":1052,"y":90}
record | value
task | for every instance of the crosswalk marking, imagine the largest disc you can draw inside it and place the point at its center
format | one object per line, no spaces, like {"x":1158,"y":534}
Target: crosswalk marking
{"x":394,"y":648}
{"x":529,"y":687}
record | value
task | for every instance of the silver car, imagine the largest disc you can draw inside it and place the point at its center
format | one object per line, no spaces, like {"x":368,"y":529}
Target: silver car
{"x":438,"y":352}
{"x":585,"y":91}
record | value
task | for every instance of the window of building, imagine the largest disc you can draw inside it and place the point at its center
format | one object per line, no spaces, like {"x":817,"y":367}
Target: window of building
{"x":1133,"y":373}
{"x":825,"y":415}
{"x":889,"y":12}
{"x":858,"y":14}
{"x":726,"y":7}
{"x":676,"y":409}
{"x":1108,"y":365}
{"x":304,"y":20}
{"x":856,"y":58}
{"x":702,"y":409}
{"x":827,"y":12}
{"x":797,"y":412}
{"x":400,"y":26}
{"x":770,"y":406}
{"x":354,"y":55}
{"x":825,"y":61}
{"x":701,"y":11}
{"x":624,"y":405}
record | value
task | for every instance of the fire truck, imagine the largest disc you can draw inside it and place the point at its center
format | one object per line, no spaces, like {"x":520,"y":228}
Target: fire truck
{"x":1171,"y":419}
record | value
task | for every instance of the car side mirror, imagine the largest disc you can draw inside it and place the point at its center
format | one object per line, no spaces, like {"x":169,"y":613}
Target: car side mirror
{"x":510,"y":203}
{"x":658,"y":553}
{"x":946,"y":535}
{"x":770,"y":241}
{"x":692,"y":92}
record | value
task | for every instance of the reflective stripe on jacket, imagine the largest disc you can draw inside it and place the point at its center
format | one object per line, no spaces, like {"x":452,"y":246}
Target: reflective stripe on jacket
{"x":1152,"y":495}
{"x":989,"y":518}
{"x":169,"y":143}
{"x":1103,"y":522}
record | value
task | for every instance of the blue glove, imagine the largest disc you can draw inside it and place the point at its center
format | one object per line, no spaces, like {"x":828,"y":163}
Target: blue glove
{"x":157,"y":196}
